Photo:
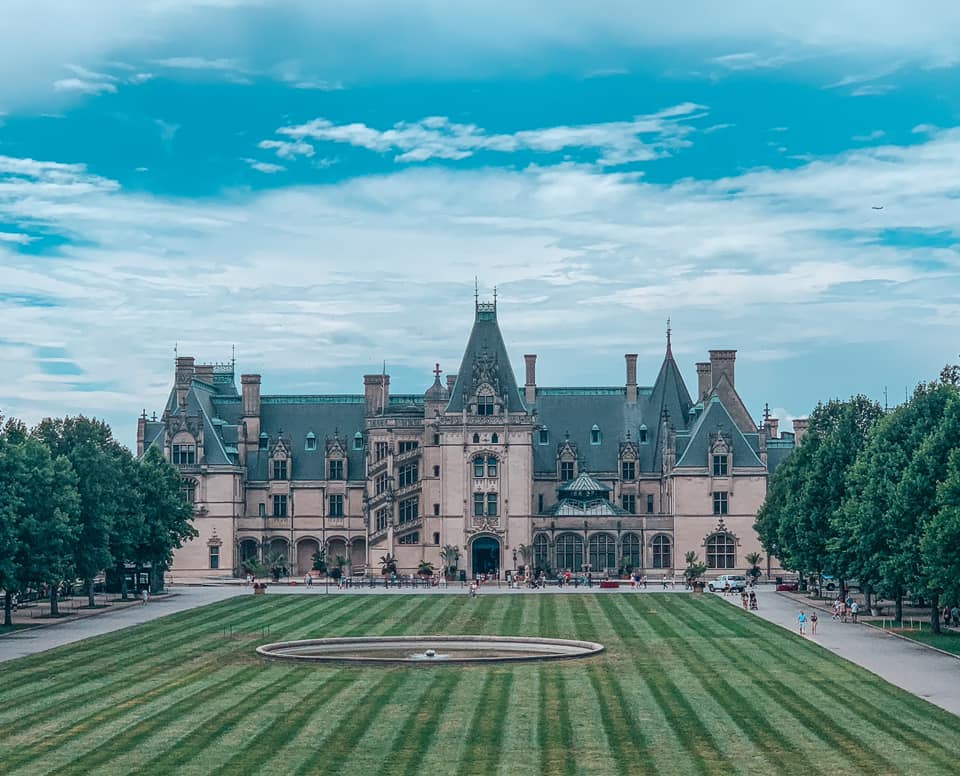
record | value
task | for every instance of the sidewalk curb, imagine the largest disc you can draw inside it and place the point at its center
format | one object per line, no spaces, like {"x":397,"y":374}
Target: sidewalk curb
{"x":912,"y":641}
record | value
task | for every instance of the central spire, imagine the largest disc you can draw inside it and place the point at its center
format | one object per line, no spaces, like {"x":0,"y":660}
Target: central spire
{"x":669,"y":347}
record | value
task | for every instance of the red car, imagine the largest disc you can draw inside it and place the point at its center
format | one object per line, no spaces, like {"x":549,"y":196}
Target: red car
{"x":787,"y":587}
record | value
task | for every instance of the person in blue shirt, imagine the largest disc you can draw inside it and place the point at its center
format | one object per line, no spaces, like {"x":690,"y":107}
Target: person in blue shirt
{"x":802,"y":622}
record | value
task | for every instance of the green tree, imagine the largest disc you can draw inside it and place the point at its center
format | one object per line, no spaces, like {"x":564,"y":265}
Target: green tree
{"x":95,"y":456}
{"x":941,"y":535}
{"x":695,"y":567}
{"x":451,"y":557}
{"x":44,"y":491}
{"x":165,"y":513}
{"x":10,"y":505}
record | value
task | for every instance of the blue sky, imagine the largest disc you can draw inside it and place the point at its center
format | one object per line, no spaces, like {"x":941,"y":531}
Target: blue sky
{"x":319,"y":184}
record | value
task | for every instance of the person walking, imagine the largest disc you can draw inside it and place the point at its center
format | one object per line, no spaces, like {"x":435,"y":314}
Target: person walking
{"x":955,"y":615}
{"x":854,"y":611}
{"x":813,"y":623}
{"x":144,"y":596}
{"x":802,"y":622}
{"x":753,"y":601}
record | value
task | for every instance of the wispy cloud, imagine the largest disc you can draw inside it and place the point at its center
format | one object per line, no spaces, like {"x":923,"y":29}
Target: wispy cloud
{"x":751,"y":60}
{"x":874,"y":135}
{"x":264,"y":167}
{"x":81,"y":86}
{"x":872,"y":90}
{"x":437,"y":137}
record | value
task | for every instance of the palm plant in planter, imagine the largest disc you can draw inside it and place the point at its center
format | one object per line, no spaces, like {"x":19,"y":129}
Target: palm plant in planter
{"x":526,"y":553}
{"x":388,"y":564}
{"x":754,"y":558}
{"x":320,"y":561}
{"x":337,"y":571}
{"x":451,"y":556}
{"x":426,"y":569}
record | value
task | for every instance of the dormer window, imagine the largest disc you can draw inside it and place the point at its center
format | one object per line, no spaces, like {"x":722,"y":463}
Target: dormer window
{"x":263,"y":441}
{"x":184,"y":455}
{"x":485,"y":404}
{"x":595,"y":436}
{"x":335,"y":469}
{"x":544,"y":436}
{"x":643,"y":435}
{"x":567,"y":471}
{"x":280,"y":469}
{"x":720,"y":465}
{"x":311,"y":442}
{"x":358,"y":441}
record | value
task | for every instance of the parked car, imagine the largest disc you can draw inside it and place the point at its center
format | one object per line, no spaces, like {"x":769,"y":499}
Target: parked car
{"x":788,"y":587}
{"x":732,"y":582}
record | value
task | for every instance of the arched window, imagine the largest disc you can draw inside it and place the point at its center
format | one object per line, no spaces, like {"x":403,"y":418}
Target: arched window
{"x":478,"y":467}
{"x":540,"y":550}
{"x":643,"y":434}
{"x":631,"y":551}
{"x":721,"y":551}
{"x":485,"y":404}
{"x":491,"y":466}
{"x":494,"y":438}
{"x":595,"y":437}
{"x":358,"y":441}
{"x":310,"y":443}
{"x":476,"y":439}
{"x":662,"y":552}
{"x":263,"y":441}
{"x":603,"y":552}
{"x":569,"y":552}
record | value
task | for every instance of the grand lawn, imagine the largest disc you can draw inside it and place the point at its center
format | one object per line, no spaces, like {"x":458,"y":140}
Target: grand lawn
{"x":687,"y":686}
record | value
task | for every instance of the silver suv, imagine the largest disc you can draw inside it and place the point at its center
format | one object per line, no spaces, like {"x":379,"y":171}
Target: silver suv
{"x":731,"y":582}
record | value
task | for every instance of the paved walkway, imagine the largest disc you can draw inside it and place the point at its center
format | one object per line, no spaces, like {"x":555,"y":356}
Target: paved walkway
{"x":906,"y":664}
{"x":20,"y":643}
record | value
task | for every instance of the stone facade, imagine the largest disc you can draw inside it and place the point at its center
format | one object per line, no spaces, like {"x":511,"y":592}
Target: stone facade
{"x":599,"y":479}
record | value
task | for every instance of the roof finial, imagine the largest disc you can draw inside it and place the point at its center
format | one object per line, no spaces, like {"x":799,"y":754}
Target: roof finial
{"x":494,"y":297}
{"x":766,"y":413}
{"x":233,"y":358}
{"x":476,"y":290}
{"x":436,"y":371}
{"x":669,"y":347}
{"x":176,"y":345}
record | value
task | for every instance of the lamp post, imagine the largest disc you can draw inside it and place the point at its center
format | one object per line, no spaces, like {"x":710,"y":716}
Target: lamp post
{"x":514,"y":561}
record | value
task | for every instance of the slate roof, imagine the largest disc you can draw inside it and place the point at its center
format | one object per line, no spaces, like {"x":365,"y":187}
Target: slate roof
{"x":693,"y":447}
{"x":486,"y":342}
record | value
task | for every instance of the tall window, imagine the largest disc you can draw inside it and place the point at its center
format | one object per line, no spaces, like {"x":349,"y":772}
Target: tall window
{"x":544,"y":436}
{"x":720,"y":466}
{"x":649,"y":503}
{"x":188,"y":489}
{"x":478,"y":467}
{"x":380,"y":483}
{"x":336,"y":505}
{"x":280,"y":469}
{"x":566,"y":470}
{"x":595,"y":437}
{"x":491,"y":504}
{"x":311,"y":442}
{"x":407,"y":445}
{"x":719,"y":502}
{"x":279,"y":506}
{"x":643,"y":435}
{"x":478,"y":505}
{"x":630,"y":550}
{"x":184,"y":455}
{"x":380,"y":450}
{"x":485,"y":404}
{"x":214,"y":556}
{"x":603,"y":552}
{"x":335,"y":468}
{"x":629,"y":502}
{"x":721,"y":552}
{"x":628,"y":470}
{"x":436,"y":537}
{"x":540,"y":551}
{"x":539,"y":502}
{"x":436,"y":471}
{"x":662,"y":552}
{"x":436,"y":510}
{"x":383,"y":519}
{"x":262,"y":510}
{"x":491,"y":466}
{"x":569,"y":552}
{"x":409,"y":510}
{"x":408,"y":475}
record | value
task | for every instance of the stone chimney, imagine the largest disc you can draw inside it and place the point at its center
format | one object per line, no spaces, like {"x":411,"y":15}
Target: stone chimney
{"x":185,"y":372}
{"x":141,"y":432}
{"x":530,"y":387}
{"x":704,"y":379}
{"x":631,"y":359}
{"x":204,"y":373}
{"x":376,"y":389}
{"x":773,"y":428}
{"x":800,"y":429}
{"x":250,"y":385}
{"x":723,"y":362}
{"x":451,"y":381}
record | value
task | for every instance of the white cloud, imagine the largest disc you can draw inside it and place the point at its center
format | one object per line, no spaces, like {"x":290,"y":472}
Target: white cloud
{"x":83,"y":87}
{"x":199,"y":63}
{"x":264,"y":167}
{"x":437,"y":137}
{"x":874,"y":135}
{"x":872,"y":90}
{"x":15,"y":237}
{"x":772,"y":261}
{"x":751,"y":60}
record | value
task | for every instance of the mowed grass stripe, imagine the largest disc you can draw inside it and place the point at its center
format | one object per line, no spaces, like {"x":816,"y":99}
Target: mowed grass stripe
{"x":846,"y":748}
{"x":411,"y":619}
{"x":485,"y":735}
{"x":669,"y":689}
{"x":549,"y":627}
{"x":198,"y":731}
{"x":554,"y":729}
{"x":417,"y":732}
{"x":512,"y":615}
{"x":449,"y":741}
{"x":478,"y":612}
{"x":443,"y":615}
{"x":291,"y":714}
{"x":520,"y":753}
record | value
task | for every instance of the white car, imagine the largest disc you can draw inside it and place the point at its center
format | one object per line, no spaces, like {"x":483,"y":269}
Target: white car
{"x":732,"y":582}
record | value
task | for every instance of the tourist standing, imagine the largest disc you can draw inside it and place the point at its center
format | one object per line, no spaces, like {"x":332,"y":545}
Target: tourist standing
{"x":955,"y":615}
{"x":813,"y":623}
{"x":854,"y":610}
{"x":802,"y":622}
{"x":753,"y":601}
{"x":144,"y":596}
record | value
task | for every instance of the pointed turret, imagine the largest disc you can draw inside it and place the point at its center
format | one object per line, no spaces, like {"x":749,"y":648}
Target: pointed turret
{"x":669,"y":402}
{"x":486,"y":383}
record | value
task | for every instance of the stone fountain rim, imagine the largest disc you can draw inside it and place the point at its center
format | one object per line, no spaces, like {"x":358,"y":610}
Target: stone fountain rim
{"x":582,"y":649}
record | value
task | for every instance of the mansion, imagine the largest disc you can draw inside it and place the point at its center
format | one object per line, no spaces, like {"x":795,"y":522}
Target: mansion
{"x":598,"y":479}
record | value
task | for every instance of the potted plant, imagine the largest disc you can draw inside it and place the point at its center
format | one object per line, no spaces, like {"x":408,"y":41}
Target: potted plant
{"x":694,"y":571}
{"x":388,"y":564}
{"x":337,"y":571}
{"x":526,"y":553}
{"x":320,"y":561}
{"x":425,"y":569}
{"x":754,"y":559}
{"x":450,"y":555}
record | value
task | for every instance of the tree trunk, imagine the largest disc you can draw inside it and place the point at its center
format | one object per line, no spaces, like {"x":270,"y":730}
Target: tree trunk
{"x":935,"y":612}
{"x":54,"y":603}
{"x":91,"y":599}
{"x":898,"y":601}
{"x":869,"y":599}
{"x":8,"y":608}
{"x":123,"y":584}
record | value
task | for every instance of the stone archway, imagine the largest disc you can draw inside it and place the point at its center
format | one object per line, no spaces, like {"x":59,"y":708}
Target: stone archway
{"x":306,"y":548}
{"x":485,"y":555}
{"x":358,"y":555}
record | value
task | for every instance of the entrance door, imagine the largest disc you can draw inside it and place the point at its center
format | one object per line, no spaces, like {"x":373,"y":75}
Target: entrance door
{"x":486,"y":555}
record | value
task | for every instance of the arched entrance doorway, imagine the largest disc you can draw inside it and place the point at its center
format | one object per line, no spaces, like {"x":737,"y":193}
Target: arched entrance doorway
{"x":485,"y":555}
